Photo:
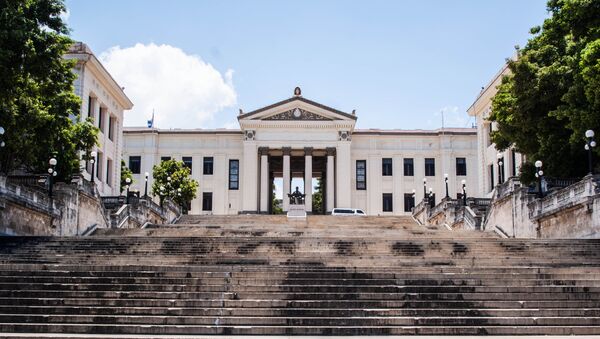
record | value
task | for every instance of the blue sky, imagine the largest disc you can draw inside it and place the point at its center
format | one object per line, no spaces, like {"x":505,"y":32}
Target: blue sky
{"x":398,"y":63}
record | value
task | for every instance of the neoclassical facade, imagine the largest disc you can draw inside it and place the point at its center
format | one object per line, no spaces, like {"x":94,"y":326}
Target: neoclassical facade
{"x":379,"y":171}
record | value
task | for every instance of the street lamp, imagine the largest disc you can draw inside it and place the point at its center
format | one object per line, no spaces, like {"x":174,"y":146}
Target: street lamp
{"x":93,"y":162}
{"x":500,"y":157}
{"x":446,"y":180}
{"x":589,"y":144}
{"x":464,"y":190}
{"x":2,"y":144}
{"x":51,"y":174}
{"x":127,"y":181}
{"x":146,"y":175}
{"x":538,"y":174}
{"x":424,"y":188}
{"x":430,"y":197}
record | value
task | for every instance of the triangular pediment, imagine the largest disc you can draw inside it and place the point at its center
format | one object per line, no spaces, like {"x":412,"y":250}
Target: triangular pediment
{"x":297,"y":108}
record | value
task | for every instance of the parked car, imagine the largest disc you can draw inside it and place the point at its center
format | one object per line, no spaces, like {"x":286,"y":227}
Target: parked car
{"x":348,"y":211}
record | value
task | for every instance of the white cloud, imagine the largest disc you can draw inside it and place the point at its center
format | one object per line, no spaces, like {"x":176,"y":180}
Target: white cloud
{"x":65,"y":15}
{"x":232,"y":125}
{"x":185,"y":91}
{"x":452,"y":117}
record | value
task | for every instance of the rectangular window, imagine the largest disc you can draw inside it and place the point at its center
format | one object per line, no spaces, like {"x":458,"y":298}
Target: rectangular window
{"x":90,"y":112}
{"x":491,"y":177}
{"x":207,"y":166}
{"x":111,"y":127}
{"x":409,"y":202}
{"x":135,"y":164}
{"x":429,"y":167}
{"x":513,"y":155}
{"x":388,"y":202}
{"x":187,"y":161}
{"x":461,"y":166}
{"x":489,"y":134}
{"x":99,"y":166}
{"x":234,"y":174}
{"x":409,"y":167}
{"x":165,"y":159}
{"x":100,"y":119}
{"x":207,"y":201}
{"x":386,"y":166}
{"x":109,"y":165}
{"x":361,"y":174}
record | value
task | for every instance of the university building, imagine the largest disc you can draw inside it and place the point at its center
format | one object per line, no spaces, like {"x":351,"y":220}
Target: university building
{"x":383,"y":172}
{"x":104,"y":101}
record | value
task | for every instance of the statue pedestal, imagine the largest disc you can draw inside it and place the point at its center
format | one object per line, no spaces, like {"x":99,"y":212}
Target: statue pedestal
{"x":297,"y":211}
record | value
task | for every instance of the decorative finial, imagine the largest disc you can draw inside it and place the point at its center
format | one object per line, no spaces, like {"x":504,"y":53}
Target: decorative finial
{"x":241,"y":112}
{"x":353,"y":112}
{"x":297,"y":92}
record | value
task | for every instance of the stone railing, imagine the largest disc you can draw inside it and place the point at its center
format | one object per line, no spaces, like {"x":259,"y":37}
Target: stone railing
{"x":580,"y":192}
{"x":506,"y":188}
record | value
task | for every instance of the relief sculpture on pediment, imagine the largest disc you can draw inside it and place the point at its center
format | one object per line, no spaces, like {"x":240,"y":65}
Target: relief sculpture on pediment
{"x":296,"y":114}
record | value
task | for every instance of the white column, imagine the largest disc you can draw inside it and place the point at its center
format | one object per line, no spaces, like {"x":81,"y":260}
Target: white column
{"x":330,"y":178}
{"x":248,"y":177}
{"x":264,"y":179}
{"x":286,"y":178}
{"x":308,"y":178}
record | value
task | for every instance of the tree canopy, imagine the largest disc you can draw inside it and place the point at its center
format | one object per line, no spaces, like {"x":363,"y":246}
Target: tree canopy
{"x":174,"y":179}
{"x":552,"y":95}
{"x":38,"y":107}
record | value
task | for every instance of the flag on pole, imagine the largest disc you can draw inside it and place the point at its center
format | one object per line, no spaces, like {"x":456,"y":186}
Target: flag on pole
{"x":151,"y":122}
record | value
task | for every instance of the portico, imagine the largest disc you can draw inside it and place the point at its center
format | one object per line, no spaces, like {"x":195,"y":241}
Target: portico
{"x":296,"y":138}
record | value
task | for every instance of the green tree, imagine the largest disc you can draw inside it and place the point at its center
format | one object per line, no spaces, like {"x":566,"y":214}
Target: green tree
{"x":38,"y":107}
{"x":174,"y":179}
{"x":275,"y":203}
{"x":317,"y":198}
{"x":125,"y":173}
{"x":552,"y":95}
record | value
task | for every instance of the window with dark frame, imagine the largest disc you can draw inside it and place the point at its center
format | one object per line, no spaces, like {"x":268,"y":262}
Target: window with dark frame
{"x":207,"y":201}
{"x":109,"y":172}
{"x":111,"y":126}
{"x":409,"y":167}
{"x":388,"y":202}
{"x":461,"y":166}
{"x":90,"y":112}
{"x":429,"y":167}
{"x":207,"y":166}
{"x":386,"y":166}
{"x":187,"y":161}
{"x":361,"y":174}
{"x":513,"y":156}
{"x":409,"y":202}
{"x":135,"y":164}
{"x":100,"y":117}
{"x":165,"y":159}
{"x":234,"y":174}
{"x":491,"y":171}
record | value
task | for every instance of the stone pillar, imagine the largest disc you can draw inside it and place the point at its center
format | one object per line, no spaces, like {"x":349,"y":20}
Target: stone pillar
{"x":287,"y":180}
{"x":330,"y":179}
{"x":264,"y":179}
{"x":248,"y":178}
{"x":343,"y":175}
{"x":308,"y":178}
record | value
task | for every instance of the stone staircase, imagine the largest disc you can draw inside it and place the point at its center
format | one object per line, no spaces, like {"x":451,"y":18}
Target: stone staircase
{"x":265,"y":275}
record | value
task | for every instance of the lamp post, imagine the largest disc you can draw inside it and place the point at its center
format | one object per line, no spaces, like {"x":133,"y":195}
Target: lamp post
{"x":93,"y":162}
{"x":430,"y":197}
{"x":446,"y":181}
{"x":464,"y":190}
{"x":146,"y":175}
{"x":2,"y":144}
{"x":589,"y":144}
{"x":51,"y":174}
{"x":500,"y":157}
{"x":424,"y":188}
{"x":538,"y":174}
{"x":128,"y":182}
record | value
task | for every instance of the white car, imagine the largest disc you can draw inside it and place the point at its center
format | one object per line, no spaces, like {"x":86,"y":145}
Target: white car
{"x":347,"y":211}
